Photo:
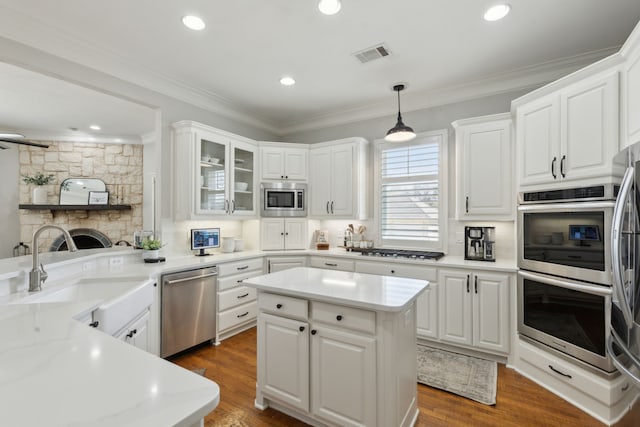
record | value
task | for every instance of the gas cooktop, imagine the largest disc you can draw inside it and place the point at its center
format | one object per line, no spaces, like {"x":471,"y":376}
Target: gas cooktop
{"x":401,"y":253}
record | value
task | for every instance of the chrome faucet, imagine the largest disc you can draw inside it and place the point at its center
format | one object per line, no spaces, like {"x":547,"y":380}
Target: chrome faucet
{"x":37,"y":275}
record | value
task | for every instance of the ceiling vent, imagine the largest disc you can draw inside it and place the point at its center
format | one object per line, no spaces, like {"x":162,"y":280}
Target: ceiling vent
{"x":369,"y":54}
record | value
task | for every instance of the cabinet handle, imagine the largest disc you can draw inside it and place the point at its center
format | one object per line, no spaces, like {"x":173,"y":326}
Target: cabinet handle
{"x":242,"y":268}
{"x":313,"y":332}
{"x":132,"y":333}
{"x":269,"y":266}
{"x":330,"y":264}
{"x":282,"y":234}
{"x":466,"y":204}
{"x":233,"y":206}
{"x":239,"y":281}
{"x":278,"y":306}
{"x":339,"y":317}
{"x":476,"y":284}
{"x":243,"y":296}
{"x":553,"y":168}
{"x":286,"y":177}
{"x":467,"y":283}
{"x":286,"y":234}
{"x":564,"y":157}
{"x":327,"y":207}
{"x":226,"y":206}
{"x":242,"y":315}
{"x":301,"y":328}
{"x":331,"y":207}
{"x":558,"y":372}
{"x":393,"y":272}
{"x":282,"y":176}
{"x":94,"y":324}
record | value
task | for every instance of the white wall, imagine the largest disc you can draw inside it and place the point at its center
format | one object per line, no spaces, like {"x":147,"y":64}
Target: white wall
{"x":9,"y":198}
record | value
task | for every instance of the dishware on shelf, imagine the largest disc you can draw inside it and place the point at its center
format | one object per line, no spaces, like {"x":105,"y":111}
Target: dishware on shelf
{"x":241,"y":186}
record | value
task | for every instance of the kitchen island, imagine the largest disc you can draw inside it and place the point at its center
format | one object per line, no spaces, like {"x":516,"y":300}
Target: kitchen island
{"x":338,"y":348}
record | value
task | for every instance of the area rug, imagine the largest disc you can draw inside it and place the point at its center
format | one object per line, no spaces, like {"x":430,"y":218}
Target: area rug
{"x":466,"y":376}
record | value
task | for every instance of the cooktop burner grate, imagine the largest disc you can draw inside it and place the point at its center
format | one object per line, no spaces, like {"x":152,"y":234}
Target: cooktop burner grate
{"x":402,"y":253}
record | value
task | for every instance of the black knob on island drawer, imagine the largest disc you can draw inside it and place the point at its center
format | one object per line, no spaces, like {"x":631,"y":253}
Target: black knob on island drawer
{"x":278,"y":306}
{"x":301,"y":328}
{"x":339,"y":317}
{"x":94,"y":324}
{"x":313,"y":332}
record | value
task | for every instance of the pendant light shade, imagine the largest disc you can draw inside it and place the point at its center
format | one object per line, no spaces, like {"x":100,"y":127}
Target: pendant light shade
{"x":400,"y":132}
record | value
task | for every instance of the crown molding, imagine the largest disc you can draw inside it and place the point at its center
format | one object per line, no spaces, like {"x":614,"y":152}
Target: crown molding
{"x":70,"y":136}
{"x":521,"y":79}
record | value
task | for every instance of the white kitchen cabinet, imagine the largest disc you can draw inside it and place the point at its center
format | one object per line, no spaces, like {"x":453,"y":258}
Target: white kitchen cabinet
{"x":275,"y":264}
{"x":483,"y":168}
{"x":214,"y":173}
{"x":283,"y":233}
{"x":630,"y":91}
{"x":427,"y":302}
{"x":343,"y":376}
{"x":333,"y":363}
{"x":570,"y":134}
{"x":337,"y":179}
{"x":237,"y":306}
{"x":280,"y":162}
{"x":136,"y":333}
{"x":283,"y":365}
{"x":474,"y":309}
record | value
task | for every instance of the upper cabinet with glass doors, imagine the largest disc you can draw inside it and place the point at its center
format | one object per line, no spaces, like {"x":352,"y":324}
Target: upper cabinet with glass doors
{"x":215,"y":172}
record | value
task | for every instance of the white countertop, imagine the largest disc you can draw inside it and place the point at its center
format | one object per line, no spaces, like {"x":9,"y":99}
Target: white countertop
{"x":373,"y":292}
{"x":56,"y":371}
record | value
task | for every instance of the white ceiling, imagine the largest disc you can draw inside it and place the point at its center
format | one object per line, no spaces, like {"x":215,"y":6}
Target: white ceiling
{"x":248,"y":45}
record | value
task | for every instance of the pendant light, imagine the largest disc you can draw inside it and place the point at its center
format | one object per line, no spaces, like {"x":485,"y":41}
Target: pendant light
{"x":400,"y":132}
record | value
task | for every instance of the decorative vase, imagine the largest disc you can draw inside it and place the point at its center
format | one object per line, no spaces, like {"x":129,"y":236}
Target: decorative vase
{"x":151,"y":254}
{"x":39,"y":196}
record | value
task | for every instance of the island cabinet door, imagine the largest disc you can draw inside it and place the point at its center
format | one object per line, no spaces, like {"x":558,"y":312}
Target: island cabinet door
{"x":283,"y":360}
{"x":343,"y":377}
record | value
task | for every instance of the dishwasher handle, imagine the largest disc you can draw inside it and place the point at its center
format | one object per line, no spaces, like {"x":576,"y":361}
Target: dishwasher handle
{"x":188,"y":279}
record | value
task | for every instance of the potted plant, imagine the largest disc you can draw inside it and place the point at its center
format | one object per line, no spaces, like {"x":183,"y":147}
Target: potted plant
{"x":151,"y":248}
{"x":39,"y":195}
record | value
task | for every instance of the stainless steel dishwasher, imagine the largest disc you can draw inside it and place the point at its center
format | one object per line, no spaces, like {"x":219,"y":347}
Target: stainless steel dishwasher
{"x":188,"y":310}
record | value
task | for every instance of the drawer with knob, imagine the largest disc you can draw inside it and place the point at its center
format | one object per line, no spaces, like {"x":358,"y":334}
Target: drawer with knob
{"x":283,"y":306}
{"x":237,"y":315}
{"x":332,"y":263}
{"x":344,"y":317}
{"x":238,"y":267}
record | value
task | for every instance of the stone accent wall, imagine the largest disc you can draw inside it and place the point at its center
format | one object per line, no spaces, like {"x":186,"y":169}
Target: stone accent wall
{"x":118,"y":165}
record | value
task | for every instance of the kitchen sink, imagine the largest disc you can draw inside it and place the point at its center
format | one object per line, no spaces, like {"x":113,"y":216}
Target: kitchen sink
{"x":121,"y":298}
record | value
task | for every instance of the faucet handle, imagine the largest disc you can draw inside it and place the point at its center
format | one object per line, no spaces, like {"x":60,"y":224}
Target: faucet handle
{"x":43,"y":274}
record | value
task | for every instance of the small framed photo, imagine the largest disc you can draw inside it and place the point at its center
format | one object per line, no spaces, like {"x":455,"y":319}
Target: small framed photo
{"x":98,"y":197}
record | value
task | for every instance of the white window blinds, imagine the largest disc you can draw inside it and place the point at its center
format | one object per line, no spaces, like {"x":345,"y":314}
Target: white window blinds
{"x":410,"y":193}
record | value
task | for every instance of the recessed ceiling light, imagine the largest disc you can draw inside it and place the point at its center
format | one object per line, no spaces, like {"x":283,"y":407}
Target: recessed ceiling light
{"x":287,"y":81}
{"x":497,"y":12}
{"x":95,"y":127}
{"x":329,"y":7}
{"x":11,"y":135}
{"x":193,"y":22}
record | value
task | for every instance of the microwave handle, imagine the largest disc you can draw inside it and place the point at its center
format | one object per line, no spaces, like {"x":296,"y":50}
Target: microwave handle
{"x":616,"y":236}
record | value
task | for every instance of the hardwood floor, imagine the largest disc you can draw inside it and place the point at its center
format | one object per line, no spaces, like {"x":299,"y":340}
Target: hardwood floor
{"x":520,"y":402}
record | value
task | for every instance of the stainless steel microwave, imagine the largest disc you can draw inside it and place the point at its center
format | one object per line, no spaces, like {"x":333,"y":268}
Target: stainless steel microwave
{"x":283,"y":199}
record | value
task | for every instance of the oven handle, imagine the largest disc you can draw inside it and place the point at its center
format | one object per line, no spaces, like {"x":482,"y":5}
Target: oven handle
{"x":617,"y":363}
{"x":616,"y":236}
{"x":591,"y":289}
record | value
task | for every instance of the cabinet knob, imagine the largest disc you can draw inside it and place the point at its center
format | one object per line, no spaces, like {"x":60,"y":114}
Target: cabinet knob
{"x":339,"y":317}
{"x":94,"y":324}
{"x":313,"y":332}
{"x":301,"y":328}
{"x":278,"y":306}
{"x":393,"y":272}
{"x":281,"y":176}
{"x":286,"y":177}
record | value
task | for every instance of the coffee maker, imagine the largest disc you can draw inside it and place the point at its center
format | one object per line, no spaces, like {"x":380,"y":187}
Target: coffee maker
{"x":479,"y":243}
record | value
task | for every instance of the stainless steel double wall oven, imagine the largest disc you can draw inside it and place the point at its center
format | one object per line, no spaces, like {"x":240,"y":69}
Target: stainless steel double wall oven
{"x":564,"y":282}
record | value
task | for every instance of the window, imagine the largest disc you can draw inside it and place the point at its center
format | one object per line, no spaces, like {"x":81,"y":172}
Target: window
{"x":411,"y":203}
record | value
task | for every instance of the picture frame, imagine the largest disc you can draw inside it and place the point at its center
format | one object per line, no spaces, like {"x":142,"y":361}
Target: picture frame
{"x":98,"y":198}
